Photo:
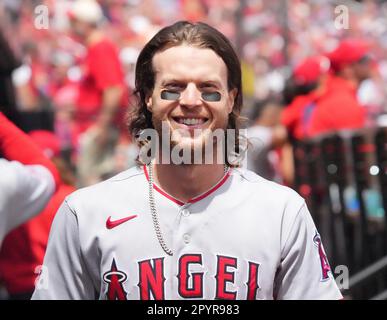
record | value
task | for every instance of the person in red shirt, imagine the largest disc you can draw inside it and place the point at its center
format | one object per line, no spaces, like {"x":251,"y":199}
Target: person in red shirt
{"x":307,"y":83}
{"x":23,"y":248}
{"x":102,"y":89}
{"x":103,"y":97}
{"x":307,"y":78}
{"x":337,"y":106}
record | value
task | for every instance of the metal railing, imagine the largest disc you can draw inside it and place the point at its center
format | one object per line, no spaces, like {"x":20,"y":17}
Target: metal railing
{"x":343,"y":177}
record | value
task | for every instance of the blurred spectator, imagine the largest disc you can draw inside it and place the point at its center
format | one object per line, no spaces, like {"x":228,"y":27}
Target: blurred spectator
{"x":371,"y":95}
{"x":128,"y":57}
{"x":33,"y":100}
{"x":63,"y":89}
{"x":101,"y":89}
{"x":337,"y":107}
{"x":307,"y":77}
{"x":23,"y":248}
{"x":102,"y":99}
{"x":30,"y":79}
{"x":264,"y":136}
{"x":8,"y":63}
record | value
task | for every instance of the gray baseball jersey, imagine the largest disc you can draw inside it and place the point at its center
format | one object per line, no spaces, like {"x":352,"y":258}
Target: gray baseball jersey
{"x":24,"y":192}
{"x":245,"y":238}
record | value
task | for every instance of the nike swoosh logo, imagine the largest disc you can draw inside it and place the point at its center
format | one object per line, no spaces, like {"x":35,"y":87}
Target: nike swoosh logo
{"x":112,"y":224}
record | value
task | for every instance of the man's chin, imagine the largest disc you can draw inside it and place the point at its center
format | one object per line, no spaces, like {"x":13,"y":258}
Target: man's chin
{"x":188,"y":144}
{"x":197,"y":151}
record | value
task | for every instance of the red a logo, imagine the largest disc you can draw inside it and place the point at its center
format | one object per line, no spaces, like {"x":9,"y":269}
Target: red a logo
{"x":325,"y":267}
{"x":114,"y":278}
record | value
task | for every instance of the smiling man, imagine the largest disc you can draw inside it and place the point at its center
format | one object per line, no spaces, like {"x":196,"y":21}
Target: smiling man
{"x":191,"y":91}
{"x":186,"y":231}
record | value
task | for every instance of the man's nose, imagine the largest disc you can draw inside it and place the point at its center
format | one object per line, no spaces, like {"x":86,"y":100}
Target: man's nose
{"x":191,"y":96}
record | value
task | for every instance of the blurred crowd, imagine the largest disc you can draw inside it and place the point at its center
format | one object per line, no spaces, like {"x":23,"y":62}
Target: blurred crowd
{"x":52,"y":60}
{"x":68,"y":81}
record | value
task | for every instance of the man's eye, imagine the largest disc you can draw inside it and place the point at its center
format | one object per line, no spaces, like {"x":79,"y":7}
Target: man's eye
{"x":170,"y":95}
{"x":211,"y":96}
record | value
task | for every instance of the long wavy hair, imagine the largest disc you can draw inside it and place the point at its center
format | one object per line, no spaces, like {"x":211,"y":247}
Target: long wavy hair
{"x":197,"y":34}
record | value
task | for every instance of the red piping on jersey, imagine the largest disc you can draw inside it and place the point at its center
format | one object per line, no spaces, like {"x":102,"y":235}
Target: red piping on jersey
{"x":192,"y":200}
{"x":180,"y":203}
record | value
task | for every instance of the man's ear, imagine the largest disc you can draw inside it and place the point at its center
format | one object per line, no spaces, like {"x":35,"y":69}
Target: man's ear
{"x":149,"y":103}
{"x":231,"y":97}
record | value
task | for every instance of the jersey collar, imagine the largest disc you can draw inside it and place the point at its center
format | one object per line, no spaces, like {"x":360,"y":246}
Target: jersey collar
{"x":194,"y":199}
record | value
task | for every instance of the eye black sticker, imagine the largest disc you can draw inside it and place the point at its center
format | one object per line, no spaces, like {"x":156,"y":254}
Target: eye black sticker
{"x":170,"y":95}
{"x":206,"y":96}
{"x":211,"y":96}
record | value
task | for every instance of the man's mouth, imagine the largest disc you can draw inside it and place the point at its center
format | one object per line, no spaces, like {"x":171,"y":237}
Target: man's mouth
{"x":190,"y":122}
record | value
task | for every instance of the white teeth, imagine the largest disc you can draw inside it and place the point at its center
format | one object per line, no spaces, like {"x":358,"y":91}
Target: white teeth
{"x":191,"y":121}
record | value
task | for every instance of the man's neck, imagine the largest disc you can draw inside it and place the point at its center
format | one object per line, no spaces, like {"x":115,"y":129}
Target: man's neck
{"x":185,"y":182}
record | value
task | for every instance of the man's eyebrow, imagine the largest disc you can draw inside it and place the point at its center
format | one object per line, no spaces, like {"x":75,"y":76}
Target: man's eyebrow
{"x":168,"y":81}
{"x":205,"y":82}
{"x":212,"y":82}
